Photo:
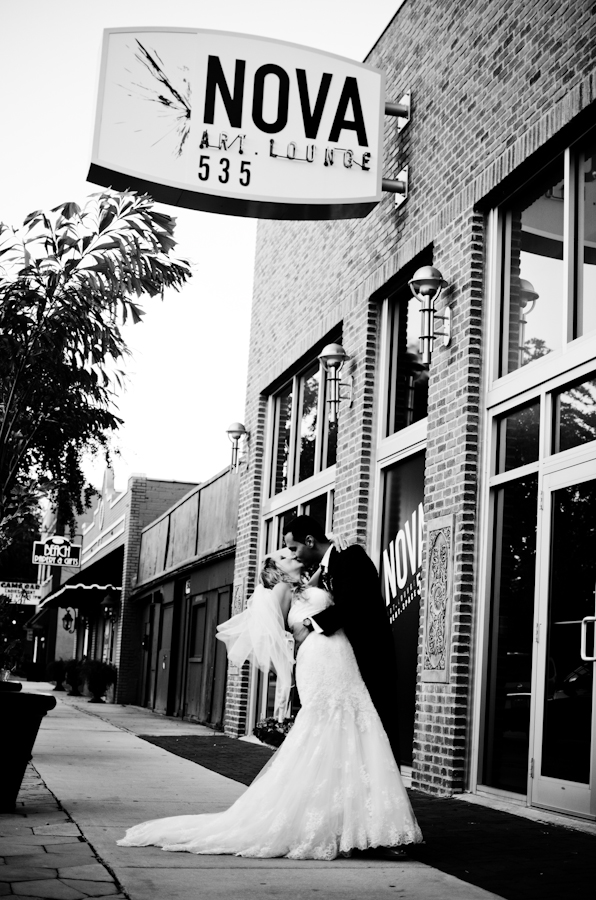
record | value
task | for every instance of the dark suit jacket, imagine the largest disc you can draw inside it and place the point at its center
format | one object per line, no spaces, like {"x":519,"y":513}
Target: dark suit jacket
{"x":360,"y":610}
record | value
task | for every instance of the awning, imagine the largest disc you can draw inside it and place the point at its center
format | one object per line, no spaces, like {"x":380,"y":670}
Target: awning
{"x":80,"y":596}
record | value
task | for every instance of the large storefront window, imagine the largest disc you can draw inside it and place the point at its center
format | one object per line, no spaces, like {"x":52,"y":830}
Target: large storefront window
{"x":539,"y":691}
{"x":408,"y":376}
{"x":533,"y":283}
{"x":548,"y":238}
{"x":304,"y":441}
{"x":585,"y":320}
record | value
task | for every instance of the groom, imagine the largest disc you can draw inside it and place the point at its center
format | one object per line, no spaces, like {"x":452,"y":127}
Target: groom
{"x":352,"y":580}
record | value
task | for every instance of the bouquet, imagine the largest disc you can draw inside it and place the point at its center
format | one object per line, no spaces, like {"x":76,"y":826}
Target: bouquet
{"x":271,"y":731}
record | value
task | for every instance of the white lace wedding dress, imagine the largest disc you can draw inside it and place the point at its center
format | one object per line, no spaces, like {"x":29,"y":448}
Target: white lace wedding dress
{"x":331,"y":787}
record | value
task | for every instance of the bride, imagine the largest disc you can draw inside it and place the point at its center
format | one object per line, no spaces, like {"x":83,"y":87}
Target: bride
{"x":333,"y":786}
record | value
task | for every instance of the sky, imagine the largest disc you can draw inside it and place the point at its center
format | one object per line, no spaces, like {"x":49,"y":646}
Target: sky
{"x":187,"y":373}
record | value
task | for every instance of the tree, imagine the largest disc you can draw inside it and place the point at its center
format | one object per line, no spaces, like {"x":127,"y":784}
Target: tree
{"x":68,"y":280}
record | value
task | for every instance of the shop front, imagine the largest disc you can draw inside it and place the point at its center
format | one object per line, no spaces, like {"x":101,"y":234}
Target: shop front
{"x":463,"y":452}
{"x":537,"y":720}
{"x":183,"y":592}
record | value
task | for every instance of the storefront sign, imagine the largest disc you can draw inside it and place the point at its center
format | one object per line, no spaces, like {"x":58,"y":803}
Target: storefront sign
{"x":402,"y":564}
{"x":57,"y":551}
{"x":237,"y":124}
{"x":401,"y":567}
{"x":20,"y":592}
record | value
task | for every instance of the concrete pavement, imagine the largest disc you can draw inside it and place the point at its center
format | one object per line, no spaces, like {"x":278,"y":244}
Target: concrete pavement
{"x":105,"y":778}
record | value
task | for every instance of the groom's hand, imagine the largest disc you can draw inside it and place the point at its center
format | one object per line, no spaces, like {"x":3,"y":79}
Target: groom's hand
{"x":300,"y":632}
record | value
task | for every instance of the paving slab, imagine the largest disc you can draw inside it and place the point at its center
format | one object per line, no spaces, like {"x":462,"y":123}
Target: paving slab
{"x":302,"y":882}
{"x":49,"y":890}
{"x":91,"y":872}
{"x":92,"y":888}
{"x":17,"y":843}
{"x":68,"y":828}
{"x":54,"y":860}
{"x":12,"y":872}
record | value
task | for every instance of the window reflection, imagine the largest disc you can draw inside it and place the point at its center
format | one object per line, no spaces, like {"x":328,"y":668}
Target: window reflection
{"x":283,"y":422}
{"x":408,"y":376}
{"x":512,"y":614}
{"x":533,"y":285}
{"x":282,"y":521}
{"x":586,"y":289}
{"x":317,"y":508}
{"x":518,"y":438}
{"x":309,"y":395}
{"x":566,"y":739}
{"x":575,"y":415}
{"x":304,"y":441}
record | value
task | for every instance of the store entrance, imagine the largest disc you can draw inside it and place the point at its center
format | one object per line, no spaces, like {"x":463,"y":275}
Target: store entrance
{"x":563,"y":755}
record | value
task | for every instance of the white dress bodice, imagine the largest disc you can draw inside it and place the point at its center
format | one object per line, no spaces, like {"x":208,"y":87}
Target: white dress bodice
{"x":308,"y":603}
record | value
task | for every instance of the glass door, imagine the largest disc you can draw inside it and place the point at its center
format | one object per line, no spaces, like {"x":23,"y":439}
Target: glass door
{"x":564,"y":758}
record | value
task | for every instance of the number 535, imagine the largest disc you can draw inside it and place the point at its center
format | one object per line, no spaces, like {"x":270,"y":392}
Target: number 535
{"x":221,"y":170}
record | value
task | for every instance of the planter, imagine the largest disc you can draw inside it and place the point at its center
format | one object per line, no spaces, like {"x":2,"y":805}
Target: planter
{"x":55,"y":671}
{"x":10,"y":686}
{"x":99,"y":676}
{"x":73,"y":677}
{"x":20,"y":715}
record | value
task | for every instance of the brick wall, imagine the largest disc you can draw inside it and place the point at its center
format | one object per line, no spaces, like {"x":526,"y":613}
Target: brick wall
{"x":492,"y":82}
{"x":147,"y":499}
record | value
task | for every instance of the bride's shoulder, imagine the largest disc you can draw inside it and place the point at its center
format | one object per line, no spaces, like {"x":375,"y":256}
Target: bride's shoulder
{"x":315,"y":593}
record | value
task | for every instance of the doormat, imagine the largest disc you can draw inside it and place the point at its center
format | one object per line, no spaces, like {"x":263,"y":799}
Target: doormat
{"x":514,"y":857}
{"x":239,"y":760}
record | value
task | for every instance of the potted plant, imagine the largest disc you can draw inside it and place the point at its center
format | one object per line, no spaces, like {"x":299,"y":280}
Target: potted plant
{"x":271,"y":731}
{"x":73,"y":676}
{"x":55,"y":671}
{"x":99,"y":675}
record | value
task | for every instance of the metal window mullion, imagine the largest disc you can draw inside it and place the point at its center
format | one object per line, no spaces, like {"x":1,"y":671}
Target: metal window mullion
{"x":275,"y":445}
{"x":295,"y":420}
{"x":571,"y":296}
{"x":493,"y":635}
{"x":504,"y":478}
{"x":270,"y":449}
{"x":505,"y":285}
{"x":384,"y":392}
{"x":394,"y":324}
{"x":322,"y":438}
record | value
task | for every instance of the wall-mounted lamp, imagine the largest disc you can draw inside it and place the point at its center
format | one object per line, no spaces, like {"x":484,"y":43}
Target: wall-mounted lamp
{"x":527,"y":299}
{"x":69,"y":622}
{"x":236,"y":432}
{"x":427,"y":286}
{"x":110,"y":607}
{"x":333,"y":357}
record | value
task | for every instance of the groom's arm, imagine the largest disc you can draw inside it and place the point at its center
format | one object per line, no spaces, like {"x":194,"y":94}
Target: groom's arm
{"x":329,"y":620}
{"x":353,"y":575}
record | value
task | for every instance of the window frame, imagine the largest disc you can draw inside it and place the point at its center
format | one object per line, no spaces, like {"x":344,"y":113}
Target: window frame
{"x":541,"y":379}
{"x":574,"y":348}
{"x":295,"y":486}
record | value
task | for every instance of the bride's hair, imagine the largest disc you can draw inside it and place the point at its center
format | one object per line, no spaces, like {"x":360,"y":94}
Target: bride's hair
{"x":271,"y":574}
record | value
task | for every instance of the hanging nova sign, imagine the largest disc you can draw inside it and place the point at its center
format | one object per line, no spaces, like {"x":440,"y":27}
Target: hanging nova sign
{"x":238,"y":124}
{"x":56,"y":551}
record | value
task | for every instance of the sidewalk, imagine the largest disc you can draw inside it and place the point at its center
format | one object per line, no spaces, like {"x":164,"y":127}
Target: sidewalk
{"x":104,"y":778}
